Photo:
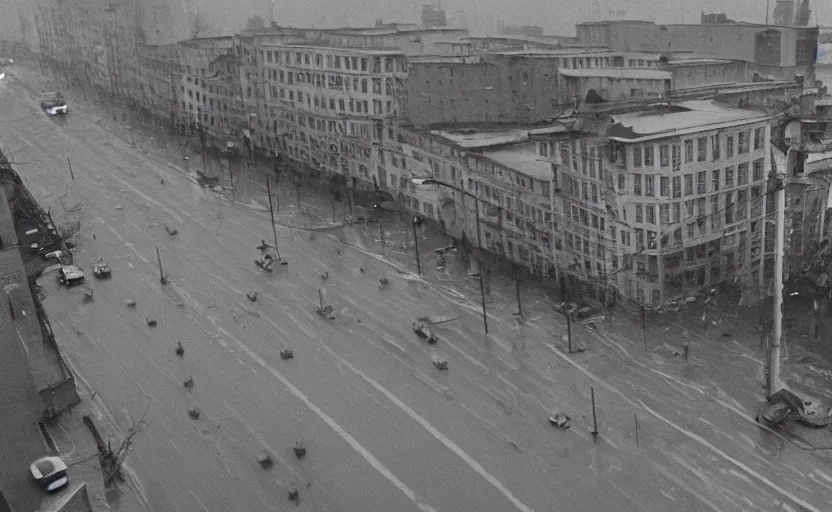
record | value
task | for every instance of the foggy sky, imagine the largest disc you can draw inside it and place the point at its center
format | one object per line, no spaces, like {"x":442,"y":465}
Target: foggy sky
{"x":482,"y":16}
{"x":556,"y":17}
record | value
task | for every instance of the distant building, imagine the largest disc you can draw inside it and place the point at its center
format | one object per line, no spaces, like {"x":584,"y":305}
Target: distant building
{"x":525,"y":30}
{"x":714,"y":18}
{"x":783,"y":50}
{"x":433,"y":16}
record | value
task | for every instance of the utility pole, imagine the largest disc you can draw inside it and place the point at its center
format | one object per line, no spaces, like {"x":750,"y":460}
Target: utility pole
{"x":644,"y":325}
{"x":517,"y":289}
{"x":569,"y":331}
{"x":162,"y":278}
{"x":482,"y":294}
{"x":419,"y":262}
{"x":792,"y":158}
{"x":271,"y":212}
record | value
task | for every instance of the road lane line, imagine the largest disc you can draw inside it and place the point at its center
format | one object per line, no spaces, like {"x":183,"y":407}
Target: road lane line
{"x":473,"y":464}
{"x":369,"y":457}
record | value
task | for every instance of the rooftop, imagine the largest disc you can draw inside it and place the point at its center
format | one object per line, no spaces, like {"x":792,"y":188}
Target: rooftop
{"x":522,"y":158}
{"x":342,"y":49}
{"x":555,"y":51}
{"x":621,"y":73}
{"x":451,"y":59}
{"x":688,"y":117}
{"x":470,"y":139}
{"x":710,"y":25}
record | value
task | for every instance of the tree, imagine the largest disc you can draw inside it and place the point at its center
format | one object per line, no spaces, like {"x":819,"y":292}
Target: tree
{"x":255,"y":23}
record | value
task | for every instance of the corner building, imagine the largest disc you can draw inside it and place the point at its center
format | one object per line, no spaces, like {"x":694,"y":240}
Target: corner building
{"x":664,"y":204}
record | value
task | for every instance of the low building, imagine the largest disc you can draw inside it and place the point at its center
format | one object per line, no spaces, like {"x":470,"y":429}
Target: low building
{"x":495,"y":193}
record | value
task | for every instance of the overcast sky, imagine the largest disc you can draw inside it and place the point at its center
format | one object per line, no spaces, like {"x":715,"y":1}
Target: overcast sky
{"x":555,"y":16}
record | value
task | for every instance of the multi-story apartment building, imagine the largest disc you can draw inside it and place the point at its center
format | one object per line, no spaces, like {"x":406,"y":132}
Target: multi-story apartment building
{"x":333,"y":110}
{"x":202,"y":97}
{"x":657,"y":204}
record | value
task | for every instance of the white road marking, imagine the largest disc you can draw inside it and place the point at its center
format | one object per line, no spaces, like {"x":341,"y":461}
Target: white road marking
{"x":128,"y":244}
{"x":369,"y":457}
{"x":473,"y":464}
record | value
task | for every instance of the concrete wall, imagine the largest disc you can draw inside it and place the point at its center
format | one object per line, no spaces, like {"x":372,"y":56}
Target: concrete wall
{"x":501,"y":89}
{"x":456,"y":93}
{"x":612,"y":89}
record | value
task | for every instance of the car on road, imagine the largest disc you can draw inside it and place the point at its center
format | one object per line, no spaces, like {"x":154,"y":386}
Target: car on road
{"x":54,"y":107}
{"x":70,"y":274}
{"x":50,"y":473}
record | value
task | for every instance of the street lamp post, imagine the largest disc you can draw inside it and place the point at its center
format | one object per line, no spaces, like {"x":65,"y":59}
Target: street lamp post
{"x":430,"y":181}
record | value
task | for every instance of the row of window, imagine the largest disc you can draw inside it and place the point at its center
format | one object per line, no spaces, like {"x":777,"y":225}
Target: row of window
{"x":341,"y":104}
{"x":320,"y":60}
{"x":671,"y":213}
{"x":669,"y":154}
{"x":336,"y":82}
{"x":671,"y":186}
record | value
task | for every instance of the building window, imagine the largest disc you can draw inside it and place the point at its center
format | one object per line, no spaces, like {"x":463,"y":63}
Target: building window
{"x":637,"y":184}
{"x":729,"y":176}
{"x":649,"y":183}
{"x":757,"y":169}
{"x":688,"y":151}
{"x":729,"y":147}
{"x":759,"y":135}
{"x":622,"y":182}
{"x":639,"y":213}
{"x":715,"y":180}
{"x":648,"y":156}
{"x":701,"y":149}
{"x":688,"y":184}
{"x":700,"y":182}
{"x":636,"y":156}
{"x":664,"y":186}
{"x":664,"y":213}
{"x":729,"y":208}
{"x":677,"y":212}
{"x":677,"y":187}
{"x":650,"y":213}
{"x":742,"y":174}
{"x":742,"y":142}
{"x":664,"y":155}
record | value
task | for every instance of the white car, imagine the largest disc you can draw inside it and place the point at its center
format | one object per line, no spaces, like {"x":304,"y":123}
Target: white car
{"x":50,"y":473}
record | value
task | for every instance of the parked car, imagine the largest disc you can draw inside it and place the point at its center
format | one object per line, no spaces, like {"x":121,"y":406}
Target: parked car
{"x":70,"y":275}
{"x":50,"y":473}
{"x":54,"y":107}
